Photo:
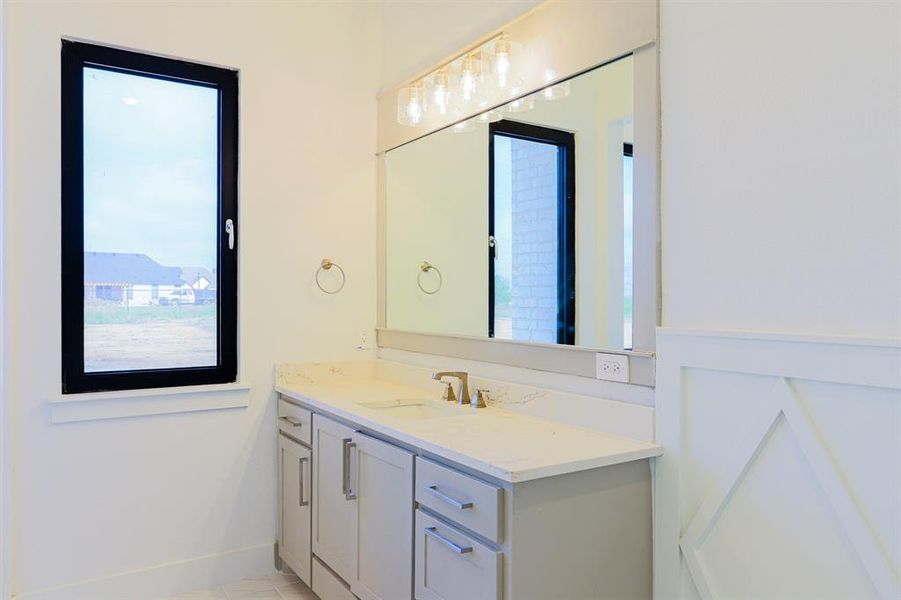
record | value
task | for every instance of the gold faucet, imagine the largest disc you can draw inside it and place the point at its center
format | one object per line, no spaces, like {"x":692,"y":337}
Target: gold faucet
{"x":449,"y":395}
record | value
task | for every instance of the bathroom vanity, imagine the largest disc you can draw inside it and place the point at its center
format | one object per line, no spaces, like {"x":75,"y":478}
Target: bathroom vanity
{"x":388,"y":492}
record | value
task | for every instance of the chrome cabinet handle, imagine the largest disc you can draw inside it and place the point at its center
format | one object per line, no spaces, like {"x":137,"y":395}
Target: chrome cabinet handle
{"x":433,"y":532}
{"x":462,"y":505}
{"x":295,"y":422}
{"x":301,"y":501}
{"x":346,"y":445}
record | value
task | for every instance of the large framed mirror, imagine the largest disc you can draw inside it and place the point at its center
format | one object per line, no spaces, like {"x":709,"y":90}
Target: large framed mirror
{"x":517,"y":223}
{"x":527,"y":233}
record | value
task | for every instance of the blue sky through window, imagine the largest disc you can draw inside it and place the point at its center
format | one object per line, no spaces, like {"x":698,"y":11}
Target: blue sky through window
{"x":150,"y":168}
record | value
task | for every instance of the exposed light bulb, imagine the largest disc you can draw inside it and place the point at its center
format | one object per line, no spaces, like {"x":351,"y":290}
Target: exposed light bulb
{"x":502,"y":63}
{"x":470,"y":74}
{"x":440,"y":93}
{"x":414,"y":110}
{"x":411,"y":105}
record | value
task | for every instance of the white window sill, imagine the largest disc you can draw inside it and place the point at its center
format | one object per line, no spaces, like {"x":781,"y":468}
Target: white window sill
{"x":71,"y":408}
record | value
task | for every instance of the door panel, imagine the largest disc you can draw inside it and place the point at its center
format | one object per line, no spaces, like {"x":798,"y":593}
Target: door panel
{"x":295,"y":493}
{"x":334,"y":511}
{"x":385,"y":520}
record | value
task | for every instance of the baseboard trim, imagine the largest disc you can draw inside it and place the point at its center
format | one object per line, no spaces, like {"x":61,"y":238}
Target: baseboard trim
{"x":167,"y":579}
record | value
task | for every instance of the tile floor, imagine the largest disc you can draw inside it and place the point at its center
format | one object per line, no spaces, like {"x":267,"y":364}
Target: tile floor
{"x":281,"y":586}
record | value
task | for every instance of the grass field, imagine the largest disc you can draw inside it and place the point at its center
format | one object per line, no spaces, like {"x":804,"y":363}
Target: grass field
{"x":101,"y":314}
{"x":148,"y":337}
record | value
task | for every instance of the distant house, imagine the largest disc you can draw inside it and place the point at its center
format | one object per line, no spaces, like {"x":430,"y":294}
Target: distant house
{"x":130,"y":279}
{"x":199,"y":278}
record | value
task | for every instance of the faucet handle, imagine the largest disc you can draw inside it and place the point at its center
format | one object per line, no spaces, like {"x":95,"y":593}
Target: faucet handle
{"x":479,"y":399}
{"x":448,"y":394}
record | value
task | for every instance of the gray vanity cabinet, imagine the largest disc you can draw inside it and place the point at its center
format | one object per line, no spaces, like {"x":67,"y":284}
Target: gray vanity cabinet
{"x":363,"y":511}
{"x":294,"y":502}
{"x":362,"y":518}
{"x":334,"y":509}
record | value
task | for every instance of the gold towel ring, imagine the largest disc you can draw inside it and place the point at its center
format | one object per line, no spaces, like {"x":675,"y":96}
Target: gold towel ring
{"x":326,"y":265}
{"x":425,"y":267}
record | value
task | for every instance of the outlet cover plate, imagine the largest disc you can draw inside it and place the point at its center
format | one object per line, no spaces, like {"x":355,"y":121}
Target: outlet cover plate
{"x":612,"y":367}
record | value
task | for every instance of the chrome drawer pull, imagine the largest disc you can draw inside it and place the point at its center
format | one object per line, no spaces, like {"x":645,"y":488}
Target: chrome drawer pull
{"x":452,"y":501}
{"x":292,"y":420}
{"x":433,"y":532}
{"x":346,"y":445}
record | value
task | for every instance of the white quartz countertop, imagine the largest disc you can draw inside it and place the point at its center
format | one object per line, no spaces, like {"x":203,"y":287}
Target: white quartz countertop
{"x":503,"y":444}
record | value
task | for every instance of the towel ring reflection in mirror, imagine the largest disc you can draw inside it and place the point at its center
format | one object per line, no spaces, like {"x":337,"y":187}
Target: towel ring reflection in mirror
{"x":326,"y":265}
{"x":425,"y":267}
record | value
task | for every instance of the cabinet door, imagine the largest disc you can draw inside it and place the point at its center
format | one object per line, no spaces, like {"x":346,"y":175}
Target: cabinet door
{"x":294,"y":496}
{"x":334,"y":507}
{"x":384,"y":490}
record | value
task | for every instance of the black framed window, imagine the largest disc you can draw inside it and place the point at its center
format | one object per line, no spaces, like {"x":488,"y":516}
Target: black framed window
{"x":149,"y":221}
{"x":531,"y":227}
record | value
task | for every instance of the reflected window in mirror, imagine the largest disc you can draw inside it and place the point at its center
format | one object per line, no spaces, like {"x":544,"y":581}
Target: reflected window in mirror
{"x":531,"y":229}
{"x":627,"y":246}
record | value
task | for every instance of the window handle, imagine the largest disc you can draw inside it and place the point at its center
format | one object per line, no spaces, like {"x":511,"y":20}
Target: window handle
{"x":230,"y":230}
{"x":492,"y":243}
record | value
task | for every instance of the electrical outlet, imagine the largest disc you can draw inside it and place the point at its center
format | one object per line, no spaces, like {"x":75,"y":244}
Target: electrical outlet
{"x":364,"y":340}
{"x":612,"y":367}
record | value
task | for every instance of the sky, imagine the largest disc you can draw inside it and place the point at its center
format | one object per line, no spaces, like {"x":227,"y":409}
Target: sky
{"x":150,"y":168}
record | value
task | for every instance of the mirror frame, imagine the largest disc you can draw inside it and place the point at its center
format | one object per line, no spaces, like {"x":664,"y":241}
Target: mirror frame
{"x":569,"y":39}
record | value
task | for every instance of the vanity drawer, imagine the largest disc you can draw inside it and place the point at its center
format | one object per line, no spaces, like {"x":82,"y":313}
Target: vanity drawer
{"x":473,"y":504}
{"x":295,"y":421}
{"x":450,"y":565}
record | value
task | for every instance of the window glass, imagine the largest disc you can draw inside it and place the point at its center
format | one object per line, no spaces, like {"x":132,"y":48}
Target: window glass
{"x":150,"y":217}
{"x":526,"y":203}
{"x":627,"y":250}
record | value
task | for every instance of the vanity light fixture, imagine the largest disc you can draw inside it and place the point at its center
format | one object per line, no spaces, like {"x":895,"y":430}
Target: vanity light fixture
{"x":471,"y":74}
{"x":503,"y":60}
{"x":440,"y":92}
{"x":454,"y":86}
{"x":411,"y":105}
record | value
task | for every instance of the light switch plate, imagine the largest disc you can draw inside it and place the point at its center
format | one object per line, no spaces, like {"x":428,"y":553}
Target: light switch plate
{"x":612,"y":367}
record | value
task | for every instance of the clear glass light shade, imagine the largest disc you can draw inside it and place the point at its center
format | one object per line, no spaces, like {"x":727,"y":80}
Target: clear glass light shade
{"x":502,"y":61}
{"x":472,"y":76}
{"x":411,"y":105}
{"x":555,"y":92}
{"x":522,"y":104}
{"x":439,"y":93}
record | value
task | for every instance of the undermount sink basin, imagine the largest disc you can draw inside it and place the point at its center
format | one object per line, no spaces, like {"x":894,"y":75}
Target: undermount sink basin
{"x":414,"y":408}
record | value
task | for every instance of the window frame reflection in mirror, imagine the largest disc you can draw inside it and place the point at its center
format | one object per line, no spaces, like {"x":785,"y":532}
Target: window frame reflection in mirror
{"x":564,"y":141}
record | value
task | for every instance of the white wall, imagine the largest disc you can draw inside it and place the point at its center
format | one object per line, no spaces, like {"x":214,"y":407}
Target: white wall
{"x":781,"y":149}
{"x":95,"y":499}
{"x":781,"y":212}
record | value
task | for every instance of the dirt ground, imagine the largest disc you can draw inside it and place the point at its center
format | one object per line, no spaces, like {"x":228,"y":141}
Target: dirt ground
{"x":152,"y":345}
